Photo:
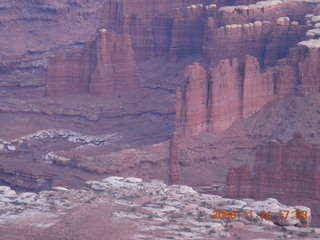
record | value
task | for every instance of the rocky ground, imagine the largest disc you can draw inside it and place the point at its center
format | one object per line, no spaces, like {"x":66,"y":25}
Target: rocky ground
{"x":118,"y":208}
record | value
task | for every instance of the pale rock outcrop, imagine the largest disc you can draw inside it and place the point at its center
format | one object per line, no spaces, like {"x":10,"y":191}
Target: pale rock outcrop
{"x":283,"y":21}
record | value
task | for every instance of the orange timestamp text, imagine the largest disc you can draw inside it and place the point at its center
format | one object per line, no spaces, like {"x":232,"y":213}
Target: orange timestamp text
{"x":283,"y":214}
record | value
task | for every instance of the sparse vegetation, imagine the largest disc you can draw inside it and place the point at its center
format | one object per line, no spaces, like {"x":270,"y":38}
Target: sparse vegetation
{"x":133,"y":209}
{"x":201,"y":214}
{"x":189,"y":214}
{"x":186,"y":229}
{"x":302,"y":234}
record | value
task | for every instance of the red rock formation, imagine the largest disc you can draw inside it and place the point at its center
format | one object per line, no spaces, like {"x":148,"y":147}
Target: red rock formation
{"x":264,"y":11}
{"x":64,"y":75}
{"x":213,"y":101}
{"x":281,"y":38}
{"x":111,"y":65}
{"x":174,"y":169}
{"x":236,"y":41}
{"x":239,"y":182}
{"x":266,"y":41}
{"x":225,"y":100}
{"x":308,"y":58}
{"x":191,"y":110}
{"x":162,"y":26}
{"x":289,"y":172}
{"x":148,"y":23}
{"x":257,"y":88}
{"x":187,"y":31}
{"x":104,"y":66}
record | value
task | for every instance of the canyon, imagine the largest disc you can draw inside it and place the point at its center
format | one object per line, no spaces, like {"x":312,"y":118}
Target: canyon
{"x":219,"y":95}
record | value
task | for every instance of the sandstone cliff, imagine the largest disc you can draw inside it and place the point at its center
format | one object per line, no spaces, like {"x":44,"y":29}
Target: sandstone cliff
{"x":174,"y":169}
{"x":288,"y":171}
{"x":266,"y":41}
{"x":103,"y":66}
{"x":187,"y":30}
{"x":192,"y":103}
{"x":264,"y":11}
{"x":148,"y":23}
{"x":214,"y":99}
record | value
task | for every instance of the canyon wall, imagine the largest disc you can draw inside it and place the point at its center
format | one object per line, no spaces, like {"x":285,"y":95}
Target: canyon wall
{"x":187,"y":30}
{"x":265,"y":11}
{"x":287,"y":171}
{"x":192,"y":103}
{"x":148,"y":23}
{"x":103,"y":66}
{"x":266,"y":41}
{"x":214,"y":99}
{"x":174,"y":168}
{"x":176,"y":27}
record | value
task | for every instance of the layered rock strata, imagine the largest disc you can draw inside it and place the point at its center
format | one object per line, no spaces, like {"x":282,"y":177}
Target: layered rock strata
{"x":105,"y":65}
{"x":149,"y":24}
{"x":213,"y":100}
{"x":187,"y":30}
{"x":266,"y":41}
{"x":287,"y":171}
{"x":174,"y":168}
{"x":265,"y":11}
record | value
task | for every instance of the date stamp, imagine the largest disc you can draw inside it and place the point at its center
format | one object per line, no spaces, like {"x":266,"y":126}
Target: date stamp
{"x":283,"y":214}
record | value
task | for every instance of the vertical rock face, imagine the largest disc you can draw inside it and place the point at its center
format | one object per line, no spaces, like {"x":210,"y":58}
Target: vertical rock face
{"x":187,"y":31}
{"x":264,"y":11}
{"x":64,"y":75}
{"x":225,"y":95}
{"x":149,"y":23}
{"x":308,"y":57}
{"x":174,"y":168}
{"x":266,"y":41}
{"x":213,"y":100}
{"x":285,"y":171}
{"x":236,"y":41}
{"x":281,"y":38}
{"x":103,"y":66}
{"x":257,"y":88}
{"x":192,"y":103}
{"x":239,"y":182}
{"x":111,"y":65}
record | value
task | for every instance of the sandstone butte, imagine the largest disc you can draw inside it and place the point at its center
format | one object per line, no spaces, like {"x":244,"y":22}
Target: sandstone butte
{"x":219,"y":95}
{"x":104,"y":65}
